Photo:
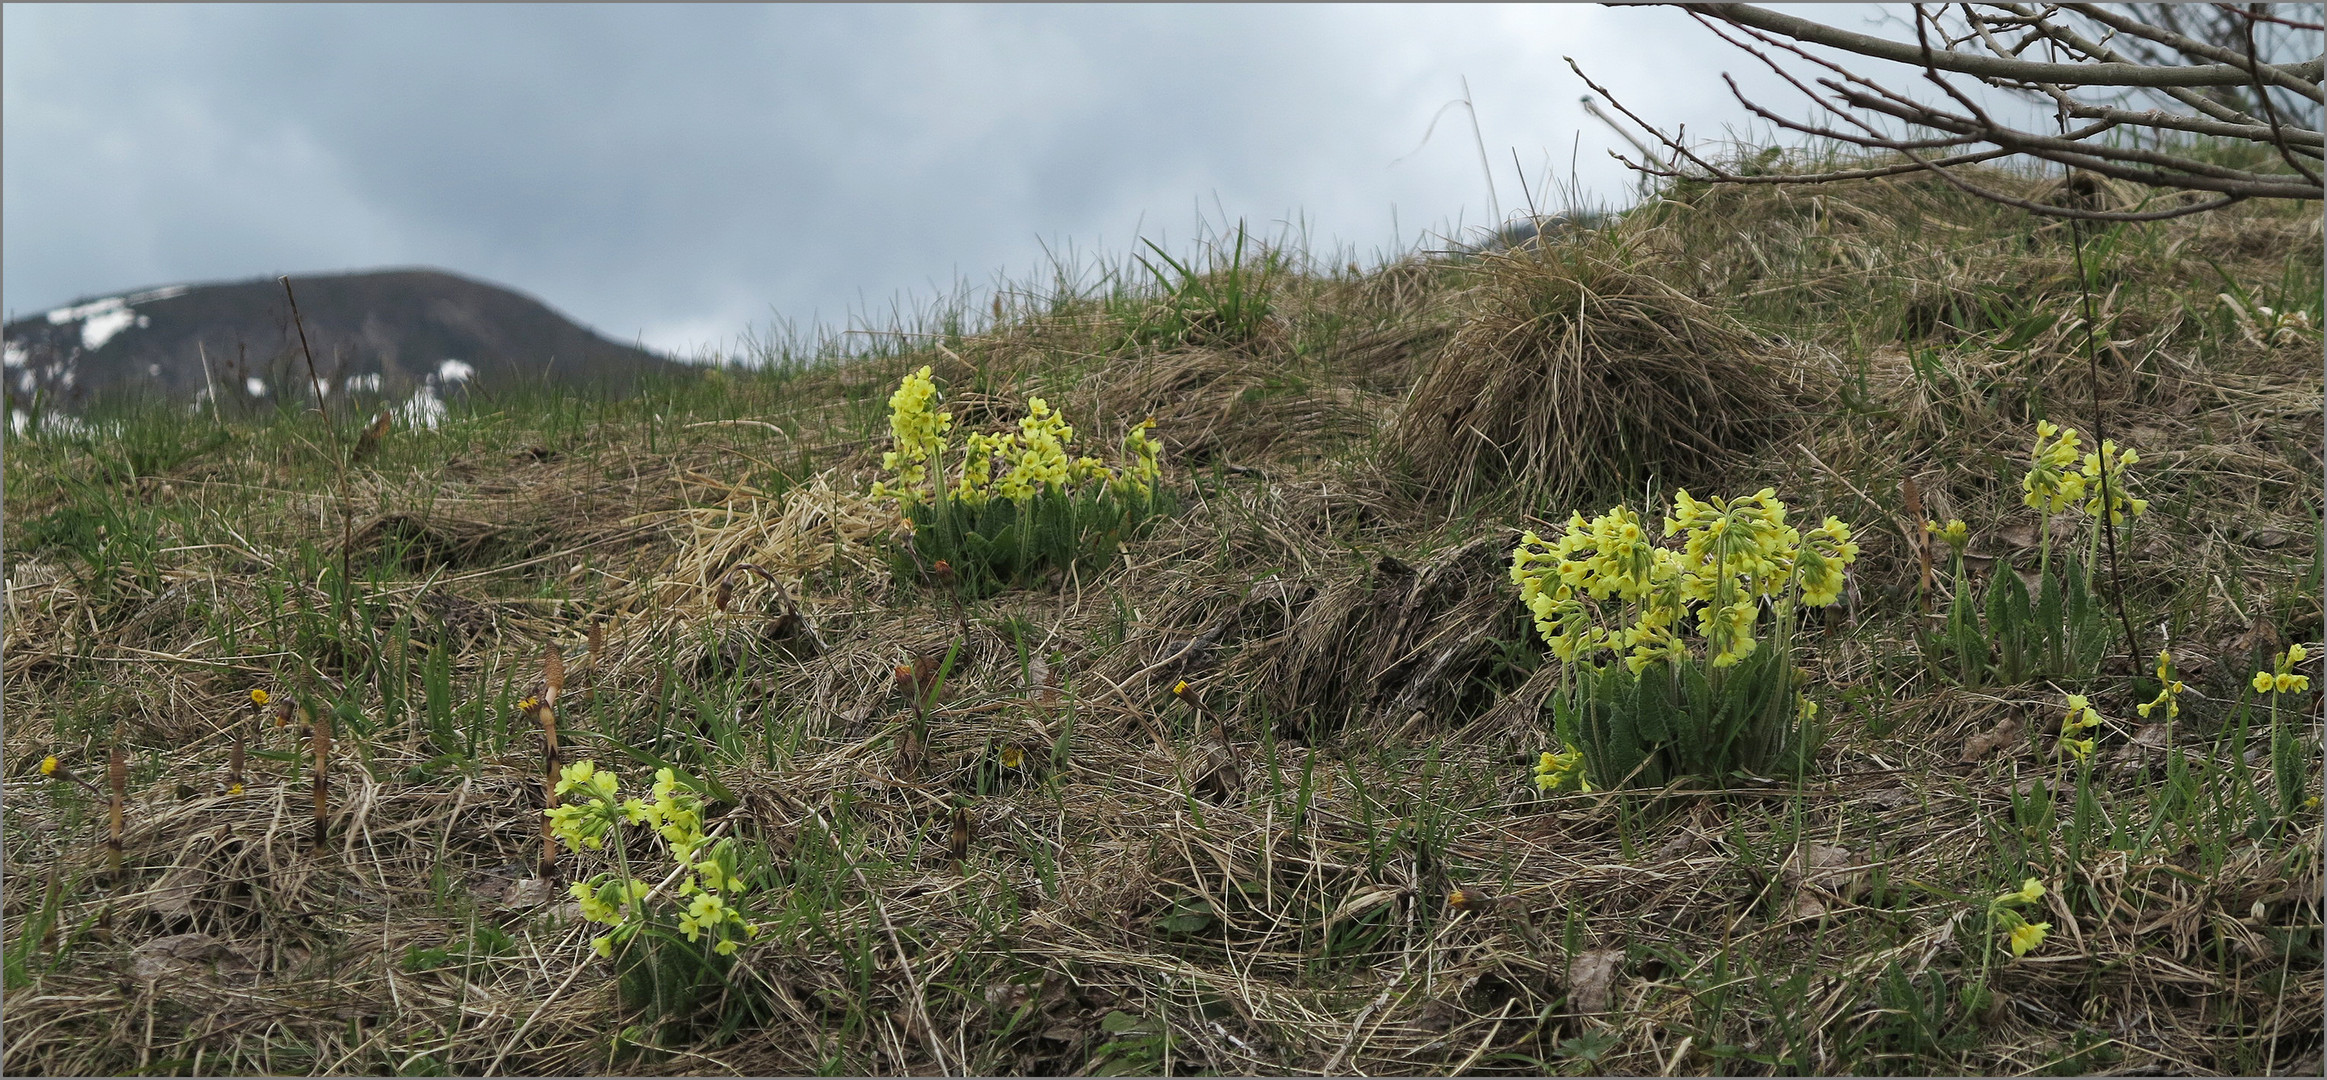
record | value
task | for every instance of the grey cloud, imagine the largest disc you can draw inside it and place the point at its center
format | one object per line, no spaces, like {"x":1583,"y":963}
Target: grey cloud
{"x":679,"y":172}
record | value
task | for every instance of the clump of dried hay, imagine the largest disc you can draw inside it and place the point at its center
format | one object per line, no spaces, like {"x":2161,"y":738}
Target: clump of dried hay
{"x":739,"y":567}
{"x":1578,"y":371}
{"x":1216,"y":404}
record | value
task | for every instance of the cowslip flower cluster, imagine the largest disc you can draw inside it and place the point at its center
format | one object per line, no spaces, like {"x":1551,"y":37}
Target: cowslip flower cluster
{"x":2061,"y":475}
{"x":1038,"y":455}
{"x":2052,"y":482}
{"x":675,"y":813}
{"x":2283,"y":679}
{"x":978,"y":453}
{"x":2112,"y":463}
{"x":2169,"y":691}
{"x":1734,"y":556}
{"x":1554,"y":771}
{"x":2081,"y":718}
{"x":918,"y":432}
{"x":1955,"y":533}
{"x":1017,"y":464}
{"x":2021,"y":935}
{"x":1145,"y":453}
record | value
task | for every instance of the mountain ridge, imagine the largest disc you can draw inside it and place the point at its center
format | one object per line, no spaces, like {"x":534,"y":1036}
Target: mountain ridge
{"x":395,"y":332}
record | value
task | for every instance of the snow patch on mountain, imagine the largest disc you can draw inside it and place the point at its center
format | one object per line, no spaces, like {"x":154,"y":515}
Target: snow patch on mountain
{"x":100,"y":319}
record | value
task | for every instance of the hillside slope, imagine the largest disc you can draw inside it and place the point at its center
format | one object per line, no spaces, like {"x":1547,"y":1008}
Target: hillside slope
{"x":1258,"y":783}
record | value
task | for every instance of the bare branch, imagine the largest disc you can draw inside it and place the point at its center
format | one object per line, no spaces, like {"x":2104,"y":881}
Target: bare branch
{"x":2300,"y":140}
{"x":1991,"y":67}
{"x":2246,"y":61}
{"x":1990,"y":43}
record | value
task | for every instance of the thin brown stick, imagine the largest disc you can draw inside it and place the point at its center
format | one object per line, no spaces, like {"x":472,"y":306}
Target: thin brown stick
{"x":2101,"y":436}
{"x":319,"y":740}
{"x":597,"y":651}
{"x":547,"y":714}
{"x":117,"y":783}
{"x":1920,"y":538}
{"x":339,"y":459}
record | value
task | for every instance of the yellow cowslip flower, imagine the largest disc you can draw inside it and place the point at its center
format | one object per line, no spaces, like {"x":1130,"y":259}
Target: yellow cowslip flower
{"x":2284,"y":680}
{"x":1553,"y":771}
{"x":918,"y":433}
{"x":259,"y":696}
{"x":1087,"y":469}
{"x":2050,"y":485}
{"x":578,"y":826}
{"x":1955,"y":532}
{"x":727,"y":947}
{"x":2082,"y":717}
{"x":603,"y":945}
{"x":1822,"y":561}
{"x":2110,"y":462}
{"x":2029,"y":892}
{"x":1608,"y":556}
{"x":1651,"y":640}
{"x":593,"y":903}
{"x":640,"y":812}
{"x":978,"y":452}
{"x":705,"y":913}
{"x":1734,"y":554}
{"x":678,"y":816}
{"x":2027,"y":936}
{"x":584,"y":775}
{"x":1144,"y":453}
{"x":2169,"y":689}
{"x":1728,"y":631}
{"x":1038,"y":459}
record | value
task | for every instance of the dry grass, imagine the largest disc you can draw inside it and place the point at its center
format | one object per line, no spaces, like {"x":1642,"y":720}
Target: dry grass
{"x":1263,"y":886}
{"x":1578,"y":371}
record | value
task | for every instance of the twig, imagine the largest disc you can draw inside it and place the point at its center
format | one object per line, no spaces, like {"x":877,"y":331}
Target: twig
{"x":2108,"y":514}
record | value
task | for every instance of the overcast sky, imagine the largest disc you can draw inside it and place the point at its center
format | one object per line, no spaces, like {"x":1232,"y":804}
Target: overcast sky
{"x":684,"y":174}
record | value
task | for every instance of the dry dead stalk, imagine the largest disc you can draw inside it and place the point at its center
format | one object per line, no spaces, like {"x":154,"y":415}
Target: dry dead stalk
{"x":234,"y":761}
{"x":117,"y":783}
{"x":319,"y":739}
{"x":553,"y":676}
